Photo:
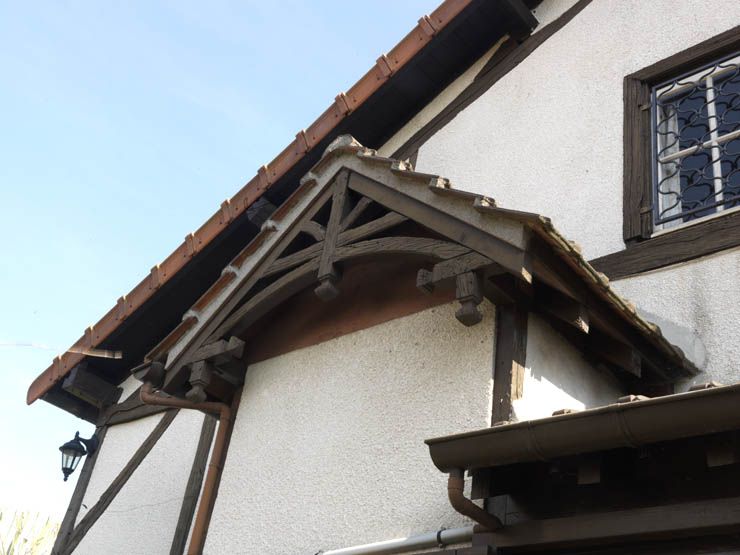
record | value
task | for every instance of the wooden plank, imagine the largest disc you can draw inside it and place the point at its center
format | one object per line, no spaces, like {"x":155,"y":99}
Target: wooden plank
{"x":509,"y":56}
{"x":712,"y":516}
{"x":73,"y":509}
{"x":637,"y":192}
{"x":509,"y":359}
{"x":220,"y":351}
{"x":679,"y":245}
{"x":119,"y":481}
{"x":192,"y":489}
{"x":513,"y":259}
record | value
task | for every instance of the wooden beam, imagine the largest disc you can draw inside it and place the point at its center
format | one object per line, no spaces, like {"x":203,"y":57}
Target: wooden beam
{"x":563,"y":307}
{"x":378,"y":225}
{"x":89,"y":387}
{"x":355,"y":213}
{"x":119,"y":481}
{"x":314,"y":229}
{"x":447,"y":270}
{"x":75,"y":502}
{"x":615,"y":353}
{"x":696,"y":518}
{"x":131,"y":409}
{"x":508,"y":256}
{"x":328,"y":274}
{"x":509,"y":359}
{"x":192,"y":489}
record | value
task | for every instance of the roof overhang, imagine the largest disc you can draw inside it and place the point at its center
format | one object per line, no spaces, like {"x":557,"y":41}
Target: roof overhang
{"x":401,"y":82}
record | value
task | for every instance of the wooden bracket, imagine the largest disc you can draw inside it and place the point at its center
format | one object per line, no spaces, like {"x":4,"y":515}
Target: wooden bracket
{"x":222,"y":359}
{"x":469,"y":292}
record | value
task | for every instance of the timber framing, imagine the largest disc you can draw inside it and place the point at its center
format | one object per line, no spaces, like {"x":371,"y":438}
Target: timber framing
{"x":645,"y":251}
{"x":367,"y":207}
{"x":97,"y":510}
{"x":510,"y":357}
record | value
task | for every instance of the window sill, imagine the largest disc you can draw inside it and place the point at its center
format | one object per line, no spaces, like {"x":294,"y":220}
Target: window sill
{"x":673,"y":246}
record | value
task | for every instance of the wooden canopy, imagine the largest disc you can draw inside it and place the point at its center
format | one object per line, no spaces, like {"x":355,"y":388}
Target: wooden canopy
{"x":354,"y":205}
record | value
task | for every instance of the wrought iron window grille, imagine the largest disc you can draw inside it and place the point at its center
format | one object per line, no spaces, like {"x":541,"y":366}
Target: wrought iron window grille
{"x":696,"y":143}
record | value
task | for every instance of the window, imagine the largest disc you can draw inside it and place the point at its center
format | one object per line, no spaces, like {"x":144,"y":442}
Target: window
{"x":696,"y":144}
{"x":681,"y":158}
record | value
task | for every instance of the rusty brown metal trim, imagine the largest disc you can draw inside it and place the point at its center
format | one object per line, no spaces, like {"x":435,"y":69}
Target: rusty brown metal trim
{"x":401,"y":54}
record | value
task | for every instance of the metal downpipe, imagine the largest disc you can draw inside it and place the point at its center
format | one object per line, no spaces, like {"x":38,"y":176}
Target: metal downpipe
{"x":213,"y":476}
{"x":464,"y":506}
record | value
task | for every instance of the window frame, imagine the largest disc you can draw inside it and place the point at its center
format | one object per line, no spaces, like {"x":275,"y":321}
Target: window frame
{"x":646,"y":250}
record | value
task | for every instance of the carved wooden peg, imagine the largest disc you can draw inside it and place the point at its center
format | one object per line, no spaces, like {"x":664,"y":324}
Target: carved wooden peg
{"x":425,"y":281}
{"x":200,"y":378}
{"x":468,"y":292}
{"x":327,"y":288}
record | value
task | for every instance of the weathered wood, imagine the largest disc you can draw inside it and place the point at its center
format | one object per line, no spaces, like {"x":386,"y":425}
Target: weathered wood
{"x":509,"y":55}
{"x":78,"y":495}
{"x":220,"y":351}
{"x":176,"y":375}
{"x":509,"y":360}
{"x":314,"y":229}
{"x":679,"y":245}
{"x":563,"y":307}
{"x":448,"y":270}
{"x":508,"y":256}
{"x":711,"y":516}
{"x":118,"y":482}
{"x":355,"y":213}
{"x":299,"y":278}
{"x":328,"y":274}
{"x":137,"y":412}
{"x":192,"y":489}
{"x":616,"y":353}
{"x":637,"y":195}
{"x":469,"y":294}
{"x":201,"y":373}
{"x":93,"y":389}
{"x":378,"y":225}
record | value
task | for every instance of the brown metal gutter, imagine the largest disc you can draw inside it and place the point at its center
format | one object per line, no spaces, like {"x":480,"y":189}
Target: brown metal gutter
{"x":216,"y":464}
{"x":464,"y":506}
{"x":628,"y":424}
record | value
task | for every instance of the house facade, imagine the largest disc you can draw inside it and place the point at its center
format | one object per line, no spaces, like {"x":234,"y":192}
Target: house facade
{"x":515,"y":238}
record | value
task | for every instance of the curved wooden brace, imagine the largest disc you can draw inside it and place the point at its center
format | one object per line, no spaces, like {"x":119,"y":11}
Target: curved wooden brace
{"x":303,"y":276}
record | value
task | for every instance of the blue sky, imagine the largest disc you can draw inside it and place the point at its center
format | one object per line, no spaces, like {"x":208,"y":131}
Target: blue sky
{"x":123,"y":127}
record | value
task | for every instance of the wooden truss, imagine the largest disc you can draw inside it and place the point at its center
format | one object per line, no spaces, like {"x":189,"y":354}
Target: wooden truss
{"x":355,"y":206}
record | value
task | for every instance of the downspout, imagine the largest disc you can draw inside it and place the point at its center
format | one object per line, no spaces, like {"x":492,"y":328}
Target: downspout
{"x":213,"y":476}
{"x":464,"y":506}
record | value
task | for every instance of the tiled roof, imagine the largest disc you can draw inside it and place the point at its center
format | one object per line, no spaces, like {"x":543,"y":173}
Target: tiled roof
{"x":344,"y":104}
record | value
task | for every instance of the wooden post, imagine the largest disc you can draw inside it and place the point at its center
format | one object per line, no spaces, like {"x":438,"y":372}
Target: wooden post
{"x":509,"y":359}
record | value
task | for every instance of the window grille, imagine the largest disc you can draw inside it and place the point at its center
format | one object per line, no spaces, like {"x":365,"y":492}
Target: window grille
{"x":696,"y":143}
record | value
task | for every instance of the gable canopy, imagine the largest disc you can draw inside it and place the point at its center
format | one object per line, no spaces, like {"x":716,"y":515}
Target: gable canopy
{"x":354,"y":205}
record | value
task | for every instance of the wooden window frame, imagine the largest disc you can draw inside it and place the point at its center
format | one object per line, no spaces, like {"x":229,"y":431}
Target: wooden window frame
{"x":645,"y":251}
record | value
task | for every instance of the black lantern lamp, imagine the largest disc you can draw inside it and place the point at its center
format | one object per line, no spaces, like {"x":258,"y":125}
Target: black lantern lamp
{"x":74,"y":450}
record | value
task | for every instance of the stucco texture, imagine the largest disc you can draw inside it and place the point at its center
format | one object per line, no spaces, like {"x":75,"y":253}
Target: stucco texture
{"x":703,"y":297}
{"x":557,"y":376}
{"x":141,"y":519}
{"x":547,"y":137}
{"x":327,"y":449}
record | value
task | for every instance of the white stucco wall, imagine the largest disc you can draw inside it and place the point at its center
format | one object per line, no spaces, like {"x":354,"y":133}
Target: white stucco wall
{"x":559,"y":377}
{"x":703,"y":297}
{"x":547,"y":137}
{"x":141,"y":519}
{"x":327,"y":450}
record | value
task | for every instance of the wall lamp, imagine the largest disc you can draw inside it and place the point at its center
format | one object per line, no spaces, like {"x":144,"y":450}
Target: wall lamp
{"x":74,"y":450}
